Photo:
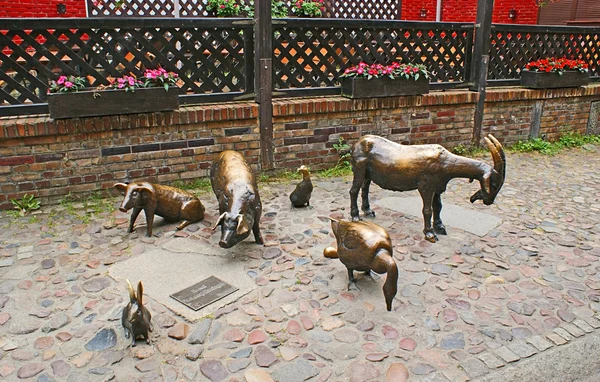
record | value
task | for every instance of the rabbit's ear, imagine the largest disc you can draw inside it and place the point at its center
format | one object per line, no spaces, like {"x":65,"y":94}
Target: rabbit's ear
{"x":140,"y":294}
{"x":131,"y":292}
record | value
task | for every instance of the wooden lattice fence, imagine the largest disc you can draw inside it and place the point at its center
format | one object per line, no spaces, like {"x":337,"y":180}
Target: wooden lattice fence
{"x":339,"y":9}
{"x":312,"y":54}
{"x":213,"y":59}
{"x":512,"y":47}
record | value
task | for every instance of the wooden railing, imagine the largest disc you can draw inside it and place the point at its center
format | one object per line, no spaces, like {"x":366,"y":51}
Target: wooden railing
{"x":214,"y":57}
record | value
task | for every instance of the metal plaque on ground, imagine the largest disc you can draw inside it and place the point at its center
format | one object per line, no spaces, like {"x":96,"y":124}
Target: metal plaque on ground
{"x":204,"y":293}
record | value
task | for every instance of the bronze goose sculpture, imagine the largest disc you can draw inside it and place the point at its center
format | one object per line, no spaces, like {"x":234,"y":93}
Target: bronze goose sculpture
{"x":365,"y":246}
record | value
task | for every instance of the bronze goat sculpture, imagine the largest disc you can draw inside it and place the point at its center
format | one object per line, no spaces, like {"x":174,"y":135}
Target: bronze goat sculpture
{"x":426,"y":168}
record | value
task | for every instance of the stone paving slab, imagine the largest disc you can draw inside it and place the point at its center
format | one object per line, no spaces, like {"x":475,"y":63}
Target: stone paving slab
{"x":475,"y":222}
{"x":523,"y":292}
{"x":167,"y":271}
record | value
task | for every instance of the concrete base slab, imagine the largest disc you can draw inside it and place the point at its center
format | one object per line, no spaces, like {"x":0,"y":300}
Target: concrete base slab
{"x":474,"y":222}
{"x":182,"y":263}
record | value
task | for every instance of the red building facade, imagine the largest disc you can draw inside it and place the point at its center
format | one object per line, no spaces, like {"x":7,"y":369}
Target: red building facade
{"x":524,"y":11}
{"x":505,"y":11}
{"x":42,"y":8}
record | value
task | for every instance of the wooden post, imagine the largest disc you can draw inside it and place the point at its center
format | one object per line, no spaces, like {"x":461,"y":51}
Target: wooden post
{"x":481,"y":60}
{"x":263,"y":31}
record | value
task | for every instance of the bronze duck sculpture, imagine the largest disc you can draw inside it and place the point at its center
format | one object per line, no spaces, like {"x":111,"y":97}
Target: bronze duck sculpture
{"x":300,"y":197}
{"x":365,"y":246}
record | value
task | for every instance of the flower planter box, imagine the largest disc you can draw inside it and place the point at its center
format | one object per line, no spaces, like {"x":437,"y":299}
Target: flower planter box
{"x":93,"y":103}
{"x":353,"y":87}
{"x":542,"y":80}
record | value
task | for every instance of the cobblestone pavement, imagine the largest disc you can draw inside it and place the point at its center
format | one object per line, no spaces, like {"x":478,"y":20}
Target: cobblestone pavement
{"x":466,"y":306}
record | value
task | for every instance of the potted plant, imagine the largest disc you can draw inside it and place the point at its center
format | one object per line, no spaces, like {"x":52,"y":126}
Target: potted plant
{"x":223,"y":8}
{"x":376,"y":80}
{"x":68,"y":96}
{"x":308,"y":8}
{"x":549,"y":73}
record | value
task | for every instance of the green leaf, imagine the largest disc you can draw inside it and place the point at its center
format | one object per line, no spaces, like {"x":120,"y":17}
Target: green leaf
{"x":166,"y":86}
{"x":416,"y":76}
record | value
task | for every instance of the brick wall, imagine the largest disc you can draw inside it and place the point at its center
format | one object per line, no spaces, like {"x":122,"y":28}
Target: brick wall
{"x":466,"y":11}
{"x":41,"y":8}
{"x":52,"y":158}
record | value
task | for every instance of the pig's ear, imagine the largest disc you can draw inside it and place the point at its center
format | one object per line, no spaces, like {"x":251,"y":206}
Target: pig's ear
{"x":147,"y":189}
{"x":242,"y":226}
{"x":121,"y":187}
{"x":219,"y":221}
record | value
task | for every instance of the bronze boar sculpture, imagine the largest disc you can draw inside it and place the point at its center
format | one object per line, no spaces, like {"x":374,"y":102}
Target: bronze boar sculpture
{"x":365,"y":246}
{"x":235,"y":187}
{"x":171,"y":203}
{"x":426,"y":168}
{"x":300,"y":197}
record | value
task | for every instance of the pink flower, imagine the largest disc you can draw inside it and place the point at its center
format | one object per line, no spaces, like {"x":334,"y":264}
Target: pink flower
{"x":61,"y":80}
{"x":222,"y":6}
{"x":68,"y":84}
{"x":131,"y":81}
{"x":121,"y":85}
{"x":360,"y":71}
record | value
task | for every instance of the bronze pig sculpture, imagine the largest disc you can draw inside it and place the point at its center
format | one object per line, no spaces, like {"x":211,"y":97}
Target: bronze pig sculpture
{"x":171,"y":203}
{"x":235,"y":187}
{"x":365,"y":246}
{"x":426,"y":168}
{"x":136,"y":318}
{"x":300,"y":197}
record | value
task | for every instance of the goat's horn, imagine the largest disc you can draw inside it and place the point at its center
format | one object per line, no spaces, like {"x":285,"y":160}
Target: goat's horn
{"x":495,"y":154}
{"x":501,"y":168}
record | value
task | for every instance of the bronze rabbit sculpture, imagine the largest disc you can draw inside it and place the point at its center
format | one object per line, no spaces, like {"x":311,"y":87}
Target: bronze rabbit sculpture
{"x":136,"y":317}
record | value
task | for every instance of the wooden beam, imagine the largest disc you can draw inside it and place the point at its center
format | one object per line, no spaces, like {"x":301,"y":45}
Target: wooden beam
{"x":263,"y":32}
{"x":481,"y":60}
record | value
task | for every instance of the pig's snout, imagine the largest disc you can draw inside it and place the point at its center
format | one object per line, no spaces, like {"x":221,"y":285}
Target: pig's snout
{"x":224,"y":244}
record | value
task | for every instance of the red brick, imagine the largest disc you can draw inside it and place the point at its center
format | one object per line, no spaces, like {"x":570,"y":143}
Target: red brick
{"x":16,"y":160}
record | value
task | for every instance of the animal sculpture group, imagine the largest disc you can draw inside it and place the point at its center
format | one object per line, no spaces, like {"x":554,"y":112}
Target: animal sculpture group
{"x":361,"y":246}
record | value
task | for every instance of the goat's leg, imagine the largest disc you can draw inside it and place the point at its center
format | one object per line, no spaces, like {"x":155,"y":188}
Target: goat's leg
{"x":438,"y":226}
{"x":427,"y":197}
{"x":366,"y":206}
{"x":359,"y":169}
